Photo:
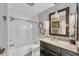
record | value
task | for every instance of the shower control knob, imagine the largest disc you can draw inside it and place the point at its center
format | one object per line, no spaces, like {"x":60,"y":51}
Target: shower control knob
{"x":2,"y":50}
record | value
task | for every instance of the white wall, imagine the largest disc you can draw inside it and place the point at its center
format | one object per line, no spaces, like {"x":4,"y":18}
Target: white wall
{"x":3,"y":26}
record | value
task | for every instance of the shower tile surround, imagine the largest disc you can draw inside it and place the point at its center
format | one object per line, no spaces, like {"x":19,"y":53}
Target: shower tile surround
{"x":18,"y":42}
{"x":25,"y":38}
{"x":18,"y":32}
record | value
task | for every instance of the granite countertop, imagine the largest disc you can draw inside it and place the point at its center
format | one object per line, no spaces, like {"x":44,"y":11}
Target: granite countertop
{"x":61,"y":44}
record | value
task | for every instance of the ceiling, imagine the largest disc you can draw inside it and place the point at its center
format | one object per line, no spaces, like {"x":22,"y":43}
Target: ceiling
{"x":29,"y":11}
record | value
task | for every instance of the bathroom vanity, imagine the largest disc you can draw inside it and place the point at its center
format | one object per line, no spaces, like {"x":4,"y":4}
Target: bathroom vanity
{"x":54,"y":47}
{"x":62,"y":23}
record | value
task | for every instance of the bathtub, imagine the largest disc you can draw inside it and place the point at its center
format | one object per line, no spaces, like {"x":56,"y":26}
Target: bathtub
{"x":25,"y":50}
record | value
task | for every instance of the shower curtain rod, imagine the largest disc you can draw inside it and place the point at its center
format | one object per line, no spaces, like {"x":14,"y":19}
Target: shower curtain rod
{"x":12,"y":18}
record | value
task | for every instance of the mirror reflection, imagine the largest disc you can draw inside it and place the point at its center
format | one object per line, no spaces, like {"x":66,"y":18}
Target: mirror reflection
{"x":59,"y":22}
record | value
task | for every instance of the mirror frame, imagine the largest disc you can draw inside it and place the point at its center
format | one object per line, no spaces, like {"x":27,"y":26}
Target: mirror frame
{"x":77,"y":8}
{"x":67,"y":22}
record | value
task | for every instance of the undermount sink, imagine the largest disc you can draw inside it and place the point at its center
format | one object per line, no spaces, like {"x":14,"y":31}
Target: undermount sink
{"x":49,"y":39}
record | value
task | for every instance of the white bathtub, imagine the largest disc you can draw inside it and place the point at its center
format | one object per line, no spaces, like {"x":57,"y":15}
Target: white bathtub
{"x":25,"y":50}
{"x":21,"y":51}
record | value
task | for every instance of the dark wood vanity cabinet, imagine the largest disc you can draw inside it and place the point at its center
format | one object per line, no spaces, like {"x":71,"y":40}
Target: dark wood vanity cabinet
{"x":51,"y":50}
{"x":67,"y":53}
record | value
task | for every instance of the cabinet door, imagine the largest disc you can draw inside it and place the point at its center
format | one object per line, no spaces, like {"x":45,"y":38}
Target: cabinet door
{"x":47,"y":52}
{"x":50,"y":47}
{"x":54,"y":50}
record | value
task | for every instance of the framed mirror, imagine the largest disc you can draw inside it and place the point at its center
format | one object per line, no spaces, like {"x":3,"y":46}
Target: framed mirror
{"x":59,"y":22}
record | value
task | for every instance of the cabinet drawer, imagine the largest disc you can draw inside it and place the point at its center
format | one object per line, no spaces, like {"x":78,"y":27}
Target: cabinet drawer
{"x":67,"y":53}
{"x":54,"y":48}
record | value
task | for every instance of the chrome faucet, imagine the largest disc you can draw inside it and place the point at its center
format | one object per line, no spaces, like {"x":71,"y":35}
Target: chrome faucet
{"x":54,"y":37}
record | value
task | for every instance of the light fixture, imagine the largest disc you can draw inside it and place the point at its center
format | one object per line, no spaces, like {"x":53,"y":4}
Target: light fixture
{"x":56,"y":15}
{"x":56,"y":12}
